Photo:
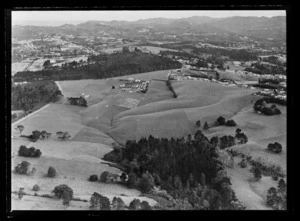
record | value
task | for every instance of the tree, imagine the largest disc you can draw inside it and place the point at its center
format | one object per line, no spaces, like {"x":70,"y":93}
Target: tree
{"x":125,"y":50}
{"x":281,"y":186}
{"x":230,"y":123}
{"x":118,"y":204}
{"x":104,"y":203}
{"x":198,"y":123}
{"x":59,"y":191}
{"x":132,"y":180}
{"x":205,"y":127}
{"x":20,"y":128}
{"x":276,"y":147}
{"x":51,"y":172}
{"x":123,"y":177}
{"x":217,"y":76}
{"x":23,"y":168}
{"x":220,"y":121}
{"x":145,"y":205}
{"x":93,"y":178}
{"x":135,"y":204}
{"x":36,"y":134}
{"x":46,"y":64}
{"x":202,"y":179}
{"x":257,"y":173}
{"x":238,"y":130}
{"x":103,"y":176}
{"x":147,"y":182}
{"x":66,"y":197}
{"x":243,"y":163}
{"x":177,"y":182}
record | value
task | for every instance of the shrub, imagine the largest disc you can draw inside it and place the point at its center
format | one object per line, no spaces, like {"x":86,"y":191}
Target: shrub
{"x":36,"y":187}
{"x":51,"y":172}
{"x":93,"y":178}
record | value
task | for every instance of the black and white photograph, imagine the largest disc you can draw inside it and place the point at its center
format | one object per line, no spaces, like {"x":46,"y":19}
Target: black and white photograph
{"x":148,"y":109}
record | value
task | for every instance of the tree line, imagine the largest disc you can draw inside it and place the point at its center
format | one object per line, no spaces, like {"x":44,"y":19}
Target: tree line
{"x":34,"y":94}
{"x":103,"y":66}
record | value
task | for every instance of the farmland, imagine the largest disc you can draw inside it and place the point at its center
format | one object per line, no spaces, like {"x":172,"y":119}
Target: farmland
{"x":114,"y":115}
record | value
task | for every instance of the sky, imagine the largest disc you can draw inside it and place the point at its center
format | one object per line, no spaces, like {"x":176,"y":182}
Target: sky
{"x":62,"y":17}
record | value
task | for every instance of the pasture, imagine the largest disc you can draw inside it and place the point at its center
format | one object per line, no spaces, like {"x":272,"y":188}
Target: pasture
{"x":113,"y":115}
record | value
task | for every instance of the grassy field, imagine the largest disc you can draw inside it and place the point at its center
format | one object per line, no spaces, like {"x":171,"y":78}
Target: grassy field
{"x":158,"y":113}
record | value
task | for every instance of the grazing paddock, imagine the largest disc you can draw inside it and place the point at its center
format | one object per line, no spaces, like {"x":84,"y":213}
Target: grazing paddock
{"x":54,"y":118}
{"x":108,"y":118}
{"x":171,"y":123}
{"x":128,"y":103}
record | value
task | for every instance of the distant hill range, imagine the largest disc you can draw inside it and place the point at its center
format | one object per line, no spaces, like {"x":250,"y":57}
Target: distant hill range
{"x":255,"y":27}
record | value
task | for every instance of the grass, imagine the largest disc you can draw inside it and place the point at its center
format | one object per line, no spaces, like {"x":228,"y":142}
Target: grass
{"x":94,"y":128}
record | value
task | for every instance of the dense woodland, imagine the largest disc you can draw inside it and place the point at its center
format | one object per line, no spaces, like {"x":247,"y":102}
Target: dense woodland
{"x":185,"y":168}
{"x":266,"y":69}
{"x":34,"y":94}
{"x":103,"y":66}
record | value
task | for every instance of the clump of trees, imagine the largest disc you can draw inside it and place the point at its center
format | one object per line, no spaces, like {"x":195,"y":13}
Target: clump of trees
{"x":187,"y":169}
{"x":260,"y":106}
{"x":264,"y":69}
{"x":266,"y":168}
{"x":80,"y":101}
{"x":25,"y":168}
{"x":275,"y":147}
{"x":29,"y":152}
{"x":228,"y":140}
{"x":222,"y":121}
{"x":63,"y":135}
{"x":169,"y":85}
{"x":64,"y":192}
{"x":276,"y":197}
{"x":99,"y":201}
{"x":107,"y":177}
